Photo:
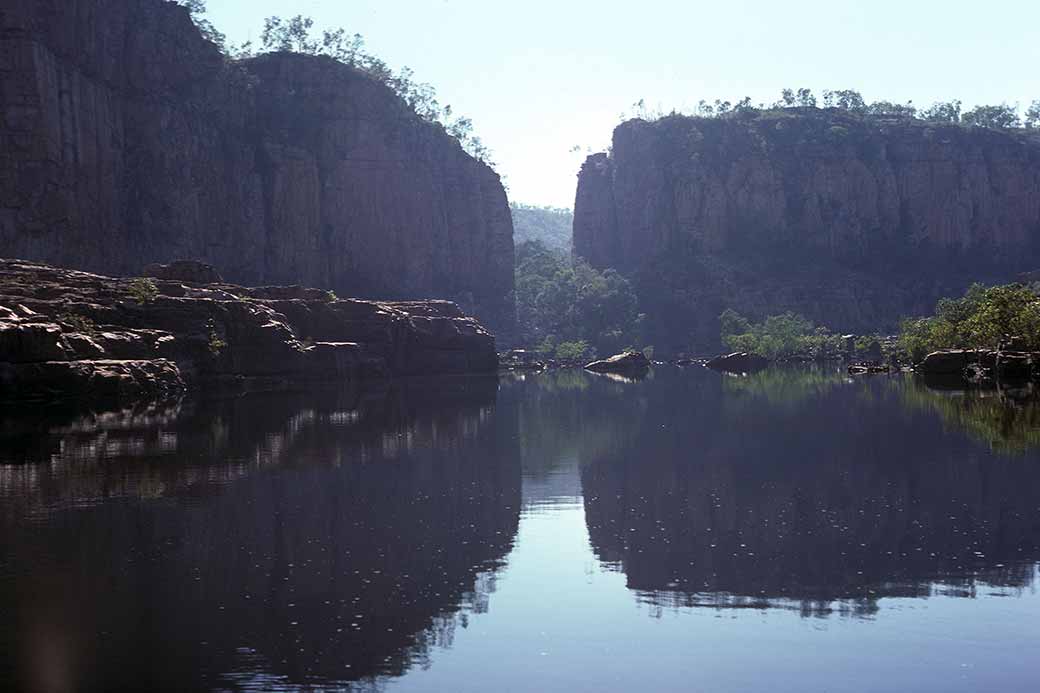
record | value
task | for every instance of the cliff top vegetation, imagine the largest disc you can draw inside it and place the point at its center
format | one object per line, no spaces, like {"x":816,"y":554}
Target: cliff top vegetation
{"x":851,"y":102}
{"x":298,"y":35}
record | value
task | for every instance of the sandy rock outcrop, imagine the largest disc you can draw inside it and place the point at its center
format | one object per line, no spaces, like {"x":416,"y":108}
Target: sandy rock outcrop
{"x":66,"y":332}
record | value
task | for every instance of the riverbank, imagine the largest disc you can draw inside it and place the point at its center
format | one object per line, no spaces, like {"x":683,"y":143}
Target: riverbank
{"x":65,"y":333}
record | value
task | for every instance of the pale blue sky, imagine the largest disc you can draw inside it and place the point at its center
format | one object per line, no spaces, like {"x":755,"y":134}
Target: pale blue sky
{"x":540,"y":76}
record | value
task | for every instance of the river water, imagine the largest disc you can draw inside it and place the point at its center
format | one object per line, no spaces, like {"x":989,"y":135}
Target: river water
{"x":796,"y":530}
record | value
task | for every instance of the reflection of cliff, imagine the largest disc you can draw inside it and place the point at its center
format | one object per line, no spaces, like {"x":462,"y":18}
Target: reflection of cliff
{"x":268,"y":540}
{"x":1007,"y":419}
{"x":843,"y":497}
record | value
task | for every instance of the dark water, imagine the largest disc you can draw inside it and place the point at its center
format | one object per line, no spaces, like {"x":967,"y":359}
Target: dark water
{"x":792,"y":531}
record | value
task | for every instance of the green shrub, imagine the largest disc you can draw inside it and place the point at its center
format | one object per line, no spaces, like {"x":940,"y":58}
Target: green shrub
{"x":143,"y":290}
{"x":563,"y":300}
{"x":778,"y":336}
{"x":575,"y":351}
{"x":215,"y":344}
{"x":981,"y":319}
{"x":78,"y":323}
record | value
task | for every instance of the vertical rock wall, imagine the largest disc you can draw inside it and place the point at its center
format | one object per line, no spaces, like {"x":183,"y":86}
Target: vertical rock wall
{"x":853,"y":222}
{"x":125,"y":139}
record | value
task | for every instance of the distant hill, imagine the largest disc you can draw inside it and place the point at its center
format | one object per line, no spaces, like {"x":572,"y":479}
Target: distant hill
{"x":550,"y":225}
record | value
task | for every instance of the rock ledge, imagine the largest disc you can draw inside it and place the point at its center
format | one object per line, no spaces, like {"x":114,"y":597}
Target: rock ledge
{"x":68,"y":333}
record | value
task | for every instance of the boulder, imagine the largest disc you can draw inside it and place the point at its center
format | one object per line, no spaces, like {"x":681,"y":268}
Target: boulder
{"x":190,"y":271}
{"x":93,"y":380}
{"x":738,"y":362}
{"x":623,"y":364}
{"x":1014,"y":365}
{"x":946,"y":362}
{"x":32,"y":342}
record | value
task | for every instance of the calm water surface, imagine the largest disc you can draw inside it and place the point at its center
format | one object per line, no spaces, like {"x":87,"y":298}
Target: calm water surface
{"x":790,"y":531}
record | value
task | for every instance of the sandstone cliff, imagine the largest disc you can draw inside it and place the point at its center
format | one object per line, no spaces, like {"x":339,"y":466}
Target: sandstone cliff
{"x":126,"y":139}
{"x":851,"y":222}
{"x":68,"y":334}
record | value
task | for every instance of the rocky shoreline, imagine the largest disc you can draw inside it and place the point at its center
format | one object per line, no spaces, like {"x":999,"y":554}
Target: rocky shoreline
{"x":70,"y":334}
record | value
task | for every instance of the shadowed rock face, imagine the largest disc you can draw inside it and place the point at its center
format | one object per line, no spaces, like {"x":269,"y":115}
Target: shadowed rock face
{"x":126,"y":139}
{"x":69,"y":333}
{"x":853,"y":223}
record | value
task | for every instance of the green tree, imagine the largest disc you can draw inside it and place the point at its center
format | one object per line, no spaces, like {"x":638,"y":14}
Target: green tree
{"x":888,"y":109}
{"x":994,"y":117}
{"x":560,"y":300}
{"x":943,"y":112}
{"x":981,"y":319}
{"x":778,"y":336}
{"x":845,"y":99}
{"x":1033,"y":115}
{"x":197,"y":9}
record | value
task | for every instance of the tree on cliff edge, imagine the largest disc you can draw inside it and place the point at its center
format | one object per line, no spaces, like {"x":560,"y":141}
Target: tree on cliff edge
{"x":197,"y":9}
{"x":293,"y":35}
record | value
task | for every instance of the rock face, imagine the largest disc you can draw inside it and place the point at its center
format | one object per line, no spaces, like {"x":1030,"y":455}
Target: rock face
{"x":738,"y":362}
{"x":851,"y":222}
{"x":623,"y":364}
{"x":126,"y":139}
{"x":70,"y":333}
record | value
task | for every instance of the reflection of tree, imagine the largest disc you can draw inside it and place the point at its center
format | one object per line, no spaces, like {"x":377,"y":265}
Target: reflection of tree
{"x":297,"y":539}
{"x":558,"y":413}
{"x":781,"y":385}
{"x":1008,"y":420}
{"x":829,"y":501}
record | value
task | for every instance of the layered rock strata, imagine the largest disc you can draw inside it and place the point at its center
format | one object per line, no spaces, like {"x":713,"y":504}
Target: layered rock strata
{"x":65,"y":332}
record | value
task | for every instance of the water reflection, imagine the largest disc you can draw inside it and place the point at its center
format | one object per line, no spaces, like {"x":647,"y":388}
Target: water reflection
{"x":366,"y":539}
{"x":834,"y":499}
{"x":1005,"y":417}
{"x":248,"y":542}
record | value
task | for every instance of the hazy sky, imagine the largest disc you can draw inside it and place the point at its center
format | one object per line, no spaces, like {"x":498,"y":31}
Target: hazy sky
{"x":541,"y":76}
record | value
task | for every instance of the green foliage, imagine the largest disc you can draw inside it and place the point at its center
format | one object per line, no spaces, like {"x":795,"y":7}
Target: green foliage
{"x":78,"y":323}
{"x":551,"y":226}
{"x":943,"y":112}
{"x":1000,"y":117}
{"x":575,"y":351}
{"x":215,"y":344}
{"x":1007,"y":425}
{"x":331,"y":296}
{"x":785,"y":386}
{"x":197,"y":9}
{"x":294,"y":35}
{"x":995,"y":117}
{"x":1032,"y":119}
{"x":778,"y":336}
{"x":143,"y":290}
{"x":561,"y":301}
{"x":981,"y":319}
